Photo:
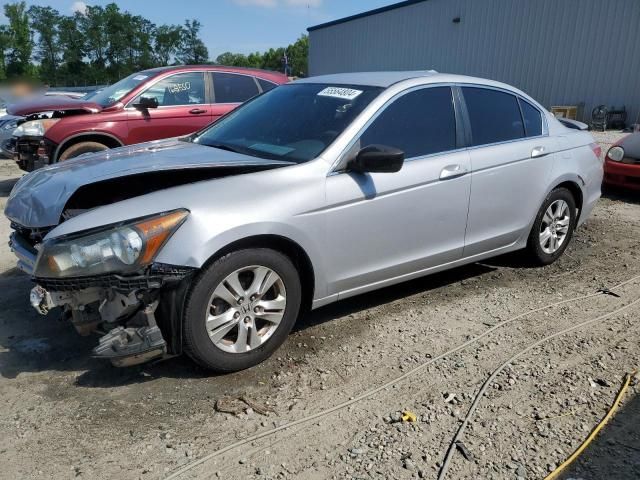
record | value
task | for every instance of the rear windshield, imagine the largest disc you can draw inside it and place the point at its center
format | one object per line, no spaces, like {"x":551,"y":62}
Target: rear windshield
{"x":294,"y":122}
{"x":114,"y":93}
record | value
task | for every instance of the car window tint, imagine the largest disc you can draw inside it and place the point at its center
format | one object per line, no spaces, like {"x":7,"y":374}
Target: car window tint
{"x":418,"y":123}
{"x":178,"y":89}
{"x":266,"y":85}
{"x":230,"y":88}
{"x":532,"y":119}
{"x":495,"y":116}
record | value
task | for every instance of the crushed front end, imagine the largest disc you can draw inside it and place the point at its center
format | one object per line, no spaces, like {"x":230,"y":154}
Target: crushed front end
{"x":105,"y":281}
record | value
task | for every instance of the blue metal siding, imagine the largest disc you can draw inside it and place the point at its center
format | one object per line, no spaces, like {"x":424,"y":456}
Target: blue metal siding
{"x":561,"y":52}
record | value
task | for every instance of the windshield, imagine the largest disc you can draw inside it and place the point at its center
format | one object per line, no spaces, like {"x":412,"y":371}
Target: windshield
{"x":114,"y":93}
{"x":294,"y":122}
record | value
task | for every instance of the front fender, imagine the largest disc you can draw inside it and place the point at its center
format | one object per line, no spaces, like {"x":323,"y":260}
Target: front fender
{"x":194,"y":244}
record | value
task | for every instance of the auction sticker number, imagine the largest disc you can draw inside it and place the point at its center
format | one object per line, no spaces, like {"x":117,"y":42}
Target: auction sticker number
{"x":180,"y":87}
{"x":340,"y":92}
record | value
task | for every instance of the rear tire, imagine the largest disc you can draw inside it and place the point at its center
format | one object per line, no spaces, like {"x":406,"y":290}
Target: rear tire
{"x":80,"y":149}
{"x":213,"y":318}
{"x":553,"y":227}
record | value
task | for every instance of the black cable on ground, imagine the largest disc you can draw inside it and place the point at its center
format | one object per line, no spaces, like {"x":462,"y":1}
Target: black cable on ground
{"x":485,"y":385}
{"x":177,"y":473}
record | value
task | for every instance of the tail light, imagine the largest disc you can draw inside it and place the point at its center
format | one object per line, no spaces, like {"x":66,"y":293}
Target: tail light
{"x":596,"y":149}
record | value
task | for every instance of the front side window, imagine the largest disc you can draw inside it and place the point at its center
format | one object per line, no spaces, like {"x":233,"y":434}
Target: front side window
{"x":294,"y":122}
{"x":179,"y":89}
{"x":494,"y":115}
{"x":532,"y":119}
{"x":419,"y":123}
{"x":231,"y":88}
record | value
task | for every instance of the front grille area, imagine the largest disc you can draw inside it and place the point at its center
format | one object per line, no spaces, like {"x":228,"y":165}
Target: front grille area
{"x":117,"y":282}
{"x":158,"y":275}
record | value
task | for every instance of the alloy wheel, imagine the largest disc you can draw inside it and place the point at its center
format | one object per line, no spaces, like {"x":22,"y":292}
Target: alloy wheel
{"x":245,"y":309}
{"x":554,"y":226}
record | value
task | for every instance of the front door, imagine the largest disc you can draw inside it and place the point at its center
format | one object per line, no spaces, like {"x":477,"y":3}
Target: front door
{"x":383,"y":226}
{"x":183,"y":108}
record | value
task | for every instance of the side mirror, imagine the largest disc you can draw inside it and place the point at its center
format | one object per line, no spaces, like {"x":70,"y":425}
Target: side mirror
{"x":377,"y":159}
{"x":145,"y":103}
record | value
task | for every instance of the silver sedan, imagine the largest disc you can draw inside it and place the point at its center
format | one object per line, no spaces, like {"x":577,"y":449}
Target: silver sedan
{"x":316,"y":191}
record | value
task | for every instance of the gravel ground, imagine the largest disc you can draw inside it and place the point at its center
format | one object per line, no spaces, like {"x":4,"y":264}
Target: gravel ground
{"x":67,"y":416}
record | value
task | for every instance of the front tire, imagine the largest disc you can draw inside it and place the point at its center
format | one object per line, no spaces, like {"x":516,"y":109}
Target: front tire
{"x":553,"y":227}
{"x":80,"y":149}
{"x":240,"y":309}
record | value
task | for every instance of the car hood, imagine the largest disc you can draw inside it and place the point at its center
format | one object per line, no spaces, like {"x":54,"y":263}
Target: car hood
{"x":39,"y":198}
{"x":52,"y":103}
{"x":631,"y":145}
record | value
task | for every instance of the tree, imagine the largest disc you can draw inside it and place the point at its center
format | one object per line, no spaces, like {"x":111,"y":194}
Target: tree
{"x":192,"y":50}
{"x":45,"y":22}
{"x":72,"y":43}
{"x":298,"y":55}
{"x":20,"y":42}
{"x":166,"y":43}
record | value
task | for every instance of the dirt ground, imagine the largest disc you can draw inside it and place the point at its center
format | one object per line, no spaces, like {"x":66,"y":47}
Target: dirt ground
{"x":64,"y":415}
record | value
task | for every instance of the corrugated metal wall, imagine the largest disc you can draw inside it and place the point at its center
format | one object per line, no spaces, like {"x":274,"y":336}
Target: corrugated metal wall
{"x":561,"y":52}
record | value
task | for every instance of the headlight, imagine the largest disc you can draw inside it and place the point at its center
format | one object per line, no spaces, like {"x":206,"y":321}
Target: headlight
{"x":34,"y":128}
{"x":616,"y":154}
{"x":122,"y":248}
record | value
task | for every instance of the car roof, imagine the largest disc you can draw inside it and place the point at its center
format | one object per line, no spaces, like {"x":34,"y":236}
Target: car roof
{"x":266,"y":74}
{"x":387,"y":79}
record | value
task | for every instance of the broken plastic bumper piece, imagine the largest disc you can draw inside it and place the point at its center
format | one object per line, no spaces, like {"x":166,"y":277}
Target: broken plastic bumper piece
{"x":131,"y":346}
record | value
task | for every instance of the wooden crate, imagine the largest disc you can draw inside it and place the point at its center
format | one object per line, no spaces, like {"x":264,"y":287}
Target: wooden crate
{"x":565,"y":111}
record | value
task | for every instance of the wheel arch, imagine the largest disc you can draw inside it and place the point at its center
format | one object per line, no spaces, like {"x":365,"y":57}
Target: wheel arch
{"x":574,"y":187}
{"x":281,"y":244}
{"x":107,"y":139}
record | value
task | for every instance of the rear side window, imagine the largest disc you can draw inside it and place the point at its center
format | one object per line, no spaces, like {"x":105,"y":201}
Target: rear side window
{"x":265,"y":85}
{"x":495,"y":116}
{"x":419,"y":123}
{"x":231,"y":88}
{"x":532,"y":119}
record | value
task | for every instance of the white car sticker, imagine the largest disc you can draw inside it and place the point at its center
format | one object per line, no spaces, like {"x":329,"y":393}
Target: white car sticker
{"x":139,"y":77}
{"x":340,"y":92}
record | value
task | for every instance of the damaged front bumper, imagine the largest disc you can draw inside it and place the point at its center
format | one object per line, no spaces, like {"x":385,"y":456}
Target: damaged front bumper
{"x":32,"y":153}
{"x":138,"y":316}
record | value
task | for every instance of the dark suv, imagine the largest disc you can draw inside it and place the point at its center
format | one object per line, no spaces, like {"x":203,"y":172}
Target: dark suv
{"x":149,"y":105}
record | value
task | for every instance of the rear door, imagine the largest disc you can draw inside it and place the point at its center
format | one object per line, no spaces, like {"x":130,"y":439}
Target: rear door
{"x":512,"y":159}
{"x":230,"y":90}
{"x":183,"y":108}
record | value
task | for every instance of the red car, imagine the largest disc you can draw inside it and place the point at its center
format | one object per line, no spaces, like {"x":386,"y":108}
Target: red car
{"x":149,"y":105}
{"x":622,"y":163}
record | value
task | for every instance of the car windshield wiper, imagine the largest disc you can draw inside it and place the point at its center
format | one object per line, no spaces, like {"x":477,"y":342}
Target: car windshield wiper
{"x":224,"y":146}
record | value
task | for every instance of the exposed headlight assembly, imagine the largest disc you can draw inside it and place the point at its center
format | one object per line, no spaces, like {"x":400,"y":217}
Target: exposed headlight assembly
{"x":616,"y":154}
{"x":34,"y":128}
{"x":122,"y":248}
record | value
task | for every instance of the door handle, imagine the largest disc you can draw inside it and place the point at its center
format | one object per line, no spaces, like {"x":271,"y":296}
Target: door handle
{"x":197,"y":111}
{"x":453,"y":171}
{"x":538,"y":152}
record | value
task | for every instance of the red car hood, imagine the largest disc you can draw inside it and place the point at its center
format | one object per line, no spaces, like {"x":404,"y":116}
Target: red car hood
{"x":48,"y":104}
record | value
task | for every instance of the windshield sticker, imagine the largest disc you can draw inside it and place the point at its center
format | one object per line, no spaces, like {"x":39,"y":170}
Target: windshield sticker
{"x":138,"y":78}
{"x":275,"y":149}
{"x":180,"y":87}
{"x":340,"y":92}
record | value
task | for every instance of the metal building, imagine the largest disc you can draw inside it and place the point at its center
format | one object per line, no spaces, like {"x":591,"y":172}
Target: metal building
{"x":561,"y":52}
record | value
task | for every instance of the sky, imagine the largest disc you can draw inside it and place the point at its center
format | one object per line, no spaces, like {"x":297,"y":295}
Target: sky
{"x":240,"y":26}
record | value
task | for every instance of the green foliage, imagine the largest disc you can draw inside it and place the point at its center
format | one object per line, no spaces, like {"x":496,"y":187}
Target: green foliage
{"x":104,"y":44}
{"x":272,"y":59}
